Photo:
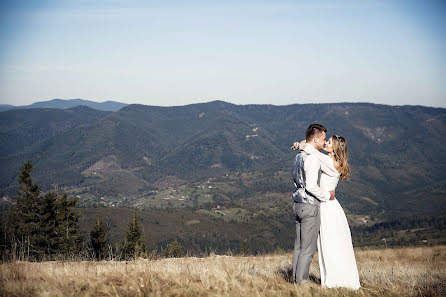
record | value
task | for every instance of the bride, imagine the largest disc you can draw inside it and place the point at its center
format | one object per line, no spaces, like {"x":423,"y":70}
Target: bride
{"x":336,"y":257}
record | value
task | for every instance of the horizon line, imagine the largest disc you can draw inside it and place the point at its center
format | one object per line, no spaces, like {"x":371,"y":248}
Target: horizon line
{"x":228,"y":102}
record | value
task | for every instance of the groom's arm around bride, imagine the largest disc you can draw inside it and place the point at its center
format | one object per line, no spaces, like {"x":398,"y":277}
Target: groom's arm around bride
{"x":307,"y":197}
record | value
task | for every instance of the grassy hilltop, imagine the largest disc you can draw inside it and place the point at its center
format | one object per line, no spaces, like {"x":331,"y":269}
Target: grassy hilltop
{"x":389,"y":272}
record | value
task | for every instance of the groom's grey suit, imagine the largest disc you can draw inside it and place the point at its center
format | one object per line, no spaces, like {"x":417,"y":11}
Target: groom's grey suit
{"x":307,"y":197}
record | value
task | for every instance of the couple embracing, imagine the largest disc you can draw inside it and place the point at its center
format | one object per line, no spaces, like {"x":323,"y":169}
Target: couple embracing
{"x":320,"y":220}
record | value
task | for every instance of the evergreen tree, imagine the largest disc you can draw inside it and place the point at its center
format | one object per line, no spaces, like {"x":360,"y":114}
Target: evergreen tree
{"x":174,"y":250}
{"x":134,"y":245}
{"x":243,"y":249}
{"x":41,"y":227}
{"x":98,"y":239}
{"x":4,"y":246}
{"x":48,"y":222}
{"x":24,"y":218}
{"x":67,"y":225}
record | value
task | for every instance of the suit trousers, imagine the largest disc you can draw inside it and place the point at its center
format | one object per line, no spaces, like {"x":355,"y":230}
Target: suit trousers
{"x":308,"y":222}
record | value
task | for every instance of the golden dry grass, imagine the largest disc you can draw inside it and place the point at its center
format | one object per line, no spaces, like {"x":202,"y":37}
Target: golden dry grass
{"x":393,"y":272}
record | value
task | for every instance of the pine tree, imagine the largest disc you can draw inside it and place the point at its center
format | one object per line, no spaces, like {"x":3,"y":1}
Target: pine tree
{"x":4,"y":246}
{"x":23,"y":223}
{"x":67,"y":225}
{"x":48,"y":222}
{"x":98,"y":239}
{"x":45,"y":226}
{"x":174,"y":250}
{"x":243,"y":249}
{"x":134,"y":245}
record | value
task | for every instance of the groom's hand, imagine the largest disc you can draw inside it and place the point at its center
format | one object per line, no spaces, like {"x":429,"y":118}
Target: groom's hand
{"x":332,"y":195}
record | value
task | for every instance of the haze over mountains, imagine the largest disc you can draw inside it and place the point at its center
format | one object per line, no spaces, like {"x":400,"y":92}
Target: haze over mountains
{"x":64,"y":104}
{"x":397,"y":154}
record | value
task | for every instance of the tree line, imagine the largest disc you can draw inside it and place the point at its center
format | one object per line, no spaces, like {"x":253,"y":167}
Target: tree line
{"x":46,"y":227}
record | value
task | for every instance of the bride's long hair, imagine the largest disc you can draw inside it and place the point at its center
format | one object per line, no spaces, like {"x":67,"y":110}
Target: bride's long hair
{"x":341,"y":155}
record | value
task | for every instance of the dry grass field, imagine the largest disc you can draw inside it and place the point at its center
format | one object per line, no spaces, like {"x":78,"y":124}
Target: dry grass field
{"x":392,"y":272}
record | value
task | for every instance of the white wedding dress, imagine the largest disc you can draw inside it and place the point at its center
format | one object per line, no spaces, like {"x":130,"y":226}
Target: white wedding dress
{"x":335,"y":249}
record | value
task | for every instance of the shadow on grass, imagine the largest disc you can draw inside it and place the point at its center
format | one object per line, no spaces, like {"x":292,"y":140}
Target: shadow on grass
{"x":287,"y":274}
{"x":434,"y":288}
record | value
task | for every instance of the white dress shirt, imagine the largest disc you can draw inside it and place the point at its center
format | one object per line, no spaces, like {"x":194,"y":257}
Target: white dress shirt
{"x":312,"y":167}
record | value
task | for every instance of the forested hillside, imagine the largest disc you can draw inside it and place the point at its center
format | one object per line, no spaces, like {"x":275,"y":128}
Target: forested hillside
{"x":396,"y":153}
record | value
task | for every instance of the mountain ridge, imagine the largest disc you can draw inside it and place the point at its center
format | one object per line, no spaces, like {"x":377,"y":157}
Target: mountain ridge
{"x":395,"y":151}
{"x":68,"y":103}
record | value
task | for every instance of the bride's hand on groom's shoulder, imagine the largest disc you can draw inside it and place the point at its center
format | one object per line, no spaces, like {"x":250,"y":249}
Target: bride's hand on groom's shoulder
{"x":299,"y":146}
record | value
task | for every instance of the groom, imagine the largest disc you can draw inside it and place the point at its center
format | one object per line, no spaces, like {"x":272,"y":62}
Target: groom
{"x":307,"y":196}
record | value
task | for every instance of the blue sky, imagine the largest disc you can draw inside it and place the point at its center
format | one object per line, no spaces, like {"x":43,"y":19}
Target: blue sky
{"x":244,"y":52}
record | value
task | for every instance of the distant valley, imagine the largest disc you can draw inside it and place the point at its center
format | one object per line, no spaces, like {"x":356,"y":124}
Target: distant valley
{"x":225,"y":162}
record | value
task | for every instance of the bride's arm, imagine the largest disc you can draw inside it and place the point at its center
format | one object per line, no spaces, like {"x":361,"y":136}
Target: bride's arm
{"x":327,"y":164}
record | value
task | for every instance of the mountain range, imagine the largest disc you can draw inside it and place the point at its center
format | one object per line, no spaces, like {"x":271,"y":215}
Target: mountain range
{"x":143,"y":156}
{"x":65,"y":104}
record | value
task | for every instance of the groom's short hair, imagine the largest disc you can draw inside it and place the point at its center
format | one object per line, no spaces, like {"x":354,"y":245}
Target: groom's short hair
{"x":313,"y":130}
